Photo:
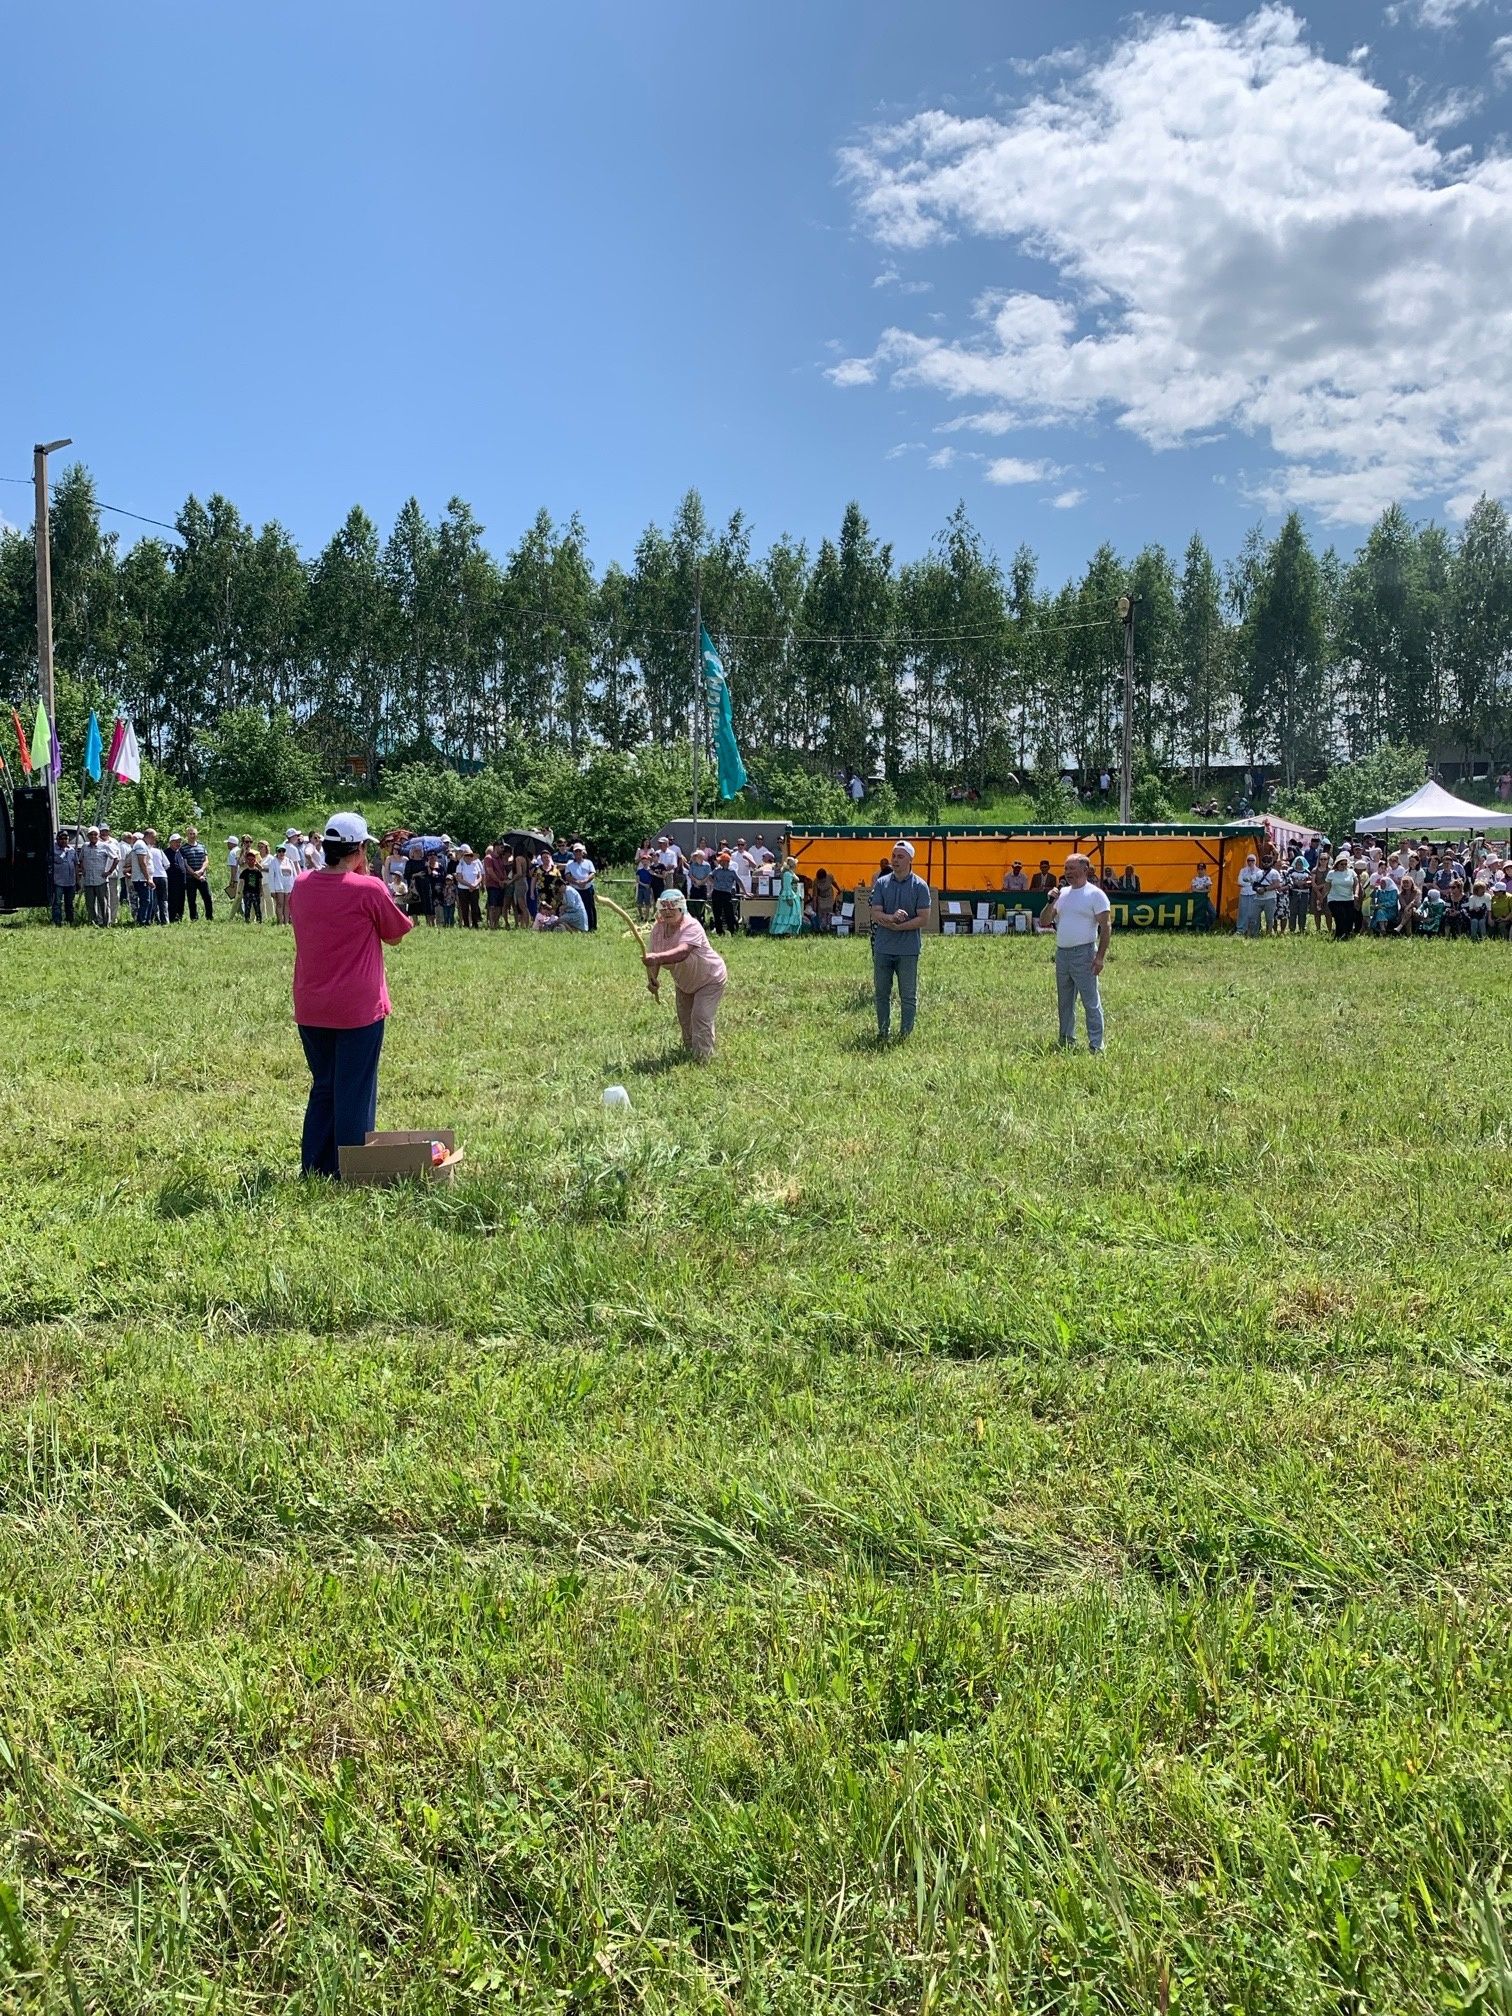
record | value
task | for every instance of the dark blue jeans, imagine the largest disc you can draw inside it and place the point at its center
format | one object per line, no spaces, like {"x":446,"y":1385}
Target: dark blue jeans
{"x":343,"y":1093}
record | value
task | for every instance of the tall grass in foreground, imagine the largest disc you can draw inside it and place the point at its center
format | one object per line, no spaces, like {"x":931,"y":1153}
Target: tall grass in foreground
{"x":953,"y":1528}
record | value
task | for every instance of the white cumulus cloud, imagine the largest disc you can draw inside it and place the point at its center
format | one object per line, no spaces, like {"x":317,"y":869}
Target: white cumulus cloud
{"x":1011,"y":469}
{"x":1068,"y":500}
{"x":1237,"y":235}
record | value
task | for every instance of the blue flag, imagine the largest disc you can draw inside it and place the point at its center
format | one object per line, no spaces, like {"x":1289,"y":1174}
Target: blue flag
{"x":732,"y":774}
{"x":94,"y":751}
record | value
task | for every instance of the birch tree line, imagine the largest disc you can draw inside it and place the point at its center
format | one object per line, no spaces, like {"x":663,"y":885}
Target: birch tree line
{"x":425,"y":645}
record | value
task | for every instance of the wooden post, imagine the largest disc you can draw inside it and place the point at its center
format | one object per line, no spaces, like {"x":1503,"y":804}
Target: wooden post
{"x":40,"y":454}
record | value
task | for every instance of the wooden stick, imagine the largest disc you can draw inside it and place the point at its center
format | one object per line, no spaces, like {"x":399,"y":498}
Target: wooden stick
{"x":653,"y":980}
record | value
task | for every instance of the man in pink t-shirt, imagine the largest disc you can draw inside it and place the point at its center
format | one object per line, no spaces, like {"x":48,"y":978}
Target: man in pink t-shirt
{"x":342,"y":918}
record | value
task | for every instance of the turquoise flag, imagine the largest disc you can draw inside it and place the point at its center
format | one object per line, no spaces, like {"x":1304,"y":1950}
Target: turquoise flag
{"x":94,"y":750}
{"x":732,"y":774}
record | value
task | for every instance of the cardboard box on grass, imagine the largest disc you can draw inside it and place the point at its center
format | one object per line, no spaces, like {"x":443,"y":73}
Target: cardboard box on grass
{"x":389,"y":1158}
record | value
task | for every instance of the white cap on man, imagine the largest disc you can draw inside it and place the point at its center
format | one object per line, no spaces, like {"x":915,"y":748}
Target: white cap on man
{"x":350,"y":828}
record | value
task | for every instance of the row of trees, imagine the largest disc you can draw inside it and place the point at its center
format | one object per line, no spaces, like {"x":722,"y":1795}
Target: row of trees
{"x":424,"y":646}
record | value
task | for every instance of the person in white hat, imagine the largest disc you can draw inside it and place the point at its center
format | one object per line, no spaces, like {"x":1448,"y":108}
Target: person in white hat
{"x":342,"y":918}
{"x":469,"y":879}
{"x":233,"y":867}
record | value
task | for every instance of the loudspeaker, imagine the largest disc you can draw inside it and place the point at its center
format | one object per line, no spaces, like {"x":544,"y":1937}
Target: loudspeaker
{"x":31,"y":869}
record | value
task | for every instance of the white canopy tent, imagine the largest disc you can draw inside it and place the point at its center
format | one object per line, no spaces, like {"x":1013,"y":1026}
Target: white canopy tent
{"x":1432,"y":809}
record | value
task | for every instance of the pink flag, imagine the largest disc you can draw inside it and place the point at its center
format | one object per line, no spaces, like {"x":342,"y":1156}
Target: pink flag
{"x":118,"y":736}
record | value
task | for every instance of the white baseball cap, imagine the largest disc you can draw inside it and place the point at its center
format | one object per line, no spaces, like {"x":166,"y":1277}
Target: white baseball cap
{"x":348,"y":826}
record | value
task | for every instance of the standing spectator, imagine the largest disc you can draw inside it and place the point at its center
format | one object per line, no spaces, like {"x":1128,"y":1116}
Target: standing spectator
{"x":1504,"y":786}
{"x":342,"y":919}
{"x":250,"y":875}
{"x":178,"y":878}
{"x":469,"y":881}
{"x":699,"y":974}
{"x":1299,"y":876}
{"x":282,"y":873}
{"x":857,"y":789}
{"x":647,"y":882}
{"x":196,"y":875}
{"x":1104,"y":784}
{"x":826,"y":892}
{"x":1248,"y":925}
{"x":417,"y":883}
{"x":744,"y":866}
{"x":725,"y":888}
{"x":159,"y":866}
{"x":435,"y":871}
{"x":65,"y":879}
{"x":233,"y":866}
{"x":1202,"y":889}
{"x":519,"y":888}
{"x":580,"y":872}
{"x":700,"y":885}
{"x":549,"y":880}
{"x":1343,"y":897}
{"x":113,"y":880}
{"x":97,"y":864}
{"x":495,"y":876}
{"x":449,"y":897}
{"x":1268,"y":892}
{"x":900,"y":903}
{"x":141,"y":879}
{"x":1083,"y":921}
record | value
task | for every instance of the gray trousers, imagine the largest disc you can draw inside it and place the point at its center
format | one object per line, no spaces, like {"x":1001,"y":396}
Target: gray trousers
{"x":906,"y":966}
{"x":1073,"y":976}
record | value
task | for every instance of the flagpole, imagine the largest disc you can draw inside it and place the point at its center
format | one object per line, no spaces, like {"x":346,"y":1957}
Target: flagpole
{"x":693,"y":736}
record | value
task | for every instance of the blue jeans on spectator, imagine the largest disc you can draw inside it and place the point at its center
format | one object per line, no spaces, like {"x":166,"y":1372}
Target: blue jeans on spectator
{"x":906,"y":966}
{"x":63,"y":905}
{"x":1073,"y":976}
{"x":142,"y":902}
{"x":1267,"y":908}
{"x":160,"y":900}
{"x":343,"y":1103}
{"x":1248,"y":925}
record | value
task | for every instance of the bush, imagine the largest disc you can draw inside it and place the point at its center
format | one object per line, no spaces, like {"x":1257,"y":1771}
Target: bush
{"x":1355,"y":790}
{"x":257,"y":760}
{"x":791,"y":789}
{"x":879,"y":807}
{"x":1150,"y":797}
{"x":1052,"y":800}
{"x":159,"y":801}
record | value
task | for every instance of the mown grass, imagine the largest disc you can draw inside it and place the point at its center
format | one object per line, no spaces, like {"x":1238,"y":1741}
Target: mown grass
{"x":955,"y":1528}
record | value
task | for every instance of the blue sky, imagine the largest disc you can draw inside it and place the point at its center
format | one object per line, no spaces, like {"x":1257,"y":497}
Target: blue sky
{"x":1103,"y":276}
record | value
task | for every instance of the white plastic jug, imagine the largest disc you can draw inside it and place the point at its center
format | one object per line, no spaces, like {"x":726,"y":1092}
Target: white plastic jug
{"x":616,"y":1095}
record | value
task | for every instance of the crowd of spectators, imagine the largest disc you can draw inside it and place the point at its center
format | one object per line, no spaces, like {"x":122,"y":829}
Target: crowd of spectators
{"x":1422,"y":889}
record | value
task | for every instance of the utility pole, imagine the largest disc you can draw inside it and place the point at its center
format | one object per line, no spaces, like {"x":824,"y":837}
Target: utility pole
{"x":44,"y":616}
{"x":1126,"y":777}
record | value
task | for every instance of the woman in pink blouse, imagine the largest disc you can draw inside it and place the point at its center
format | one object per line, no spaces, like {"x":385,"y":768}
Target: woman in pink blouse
{"x":342,"y":918}
{"x":698,"y":972}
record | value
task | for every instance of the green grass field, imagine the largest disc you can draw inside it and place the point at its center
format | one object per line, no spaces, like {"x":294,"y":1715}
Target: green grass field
{"x":957,"y":1528}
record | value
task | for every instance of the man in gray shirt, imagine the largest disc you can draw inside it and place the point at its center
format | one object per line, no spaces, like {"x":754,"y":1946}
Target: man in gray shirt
{"x":899,"y":912}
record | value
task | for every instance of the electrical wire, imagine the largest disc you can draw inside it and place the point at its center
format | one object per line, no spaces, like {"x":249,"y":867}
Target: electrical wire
{"x":116,"y":510}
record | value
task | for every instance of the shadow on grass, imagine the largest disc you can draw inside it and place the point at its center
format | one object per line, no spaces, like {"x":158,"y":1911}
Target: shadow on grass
{"x":657,"y":1063}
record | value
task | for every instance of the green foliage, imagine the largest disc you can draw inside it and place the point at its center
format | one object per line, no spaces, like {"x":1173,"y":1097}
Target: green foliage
{"x":423,"y":646}
{"x":256,"y":759}
{"x":705,"y":1561}
{"x":1355,"y":790}
{"x":1051,"y":798}
{"x":613,"y":798}
{"x":880,"y":806}
{"x":792,"y":788}
{"x":1150,"y":797}
{"x":158,"y":800}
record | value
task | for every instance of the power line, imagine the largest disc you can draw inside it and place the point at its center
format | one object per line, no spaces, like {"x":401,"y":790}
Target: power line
{"x":116,"y":510}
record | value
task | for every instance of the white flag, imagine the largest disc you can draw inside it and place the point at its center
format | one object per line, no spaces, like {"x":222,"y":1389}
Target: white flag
{"x":128,"y":762}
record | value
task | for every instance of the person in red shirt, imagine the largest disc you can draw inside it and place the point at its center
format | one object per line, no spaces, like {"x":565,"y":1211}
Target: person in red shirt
{"x":342,"y":918}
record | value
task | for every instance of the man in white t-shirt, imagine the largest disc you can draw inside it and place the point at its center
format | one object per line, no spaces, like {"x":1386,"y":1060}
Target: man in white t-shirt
{"x":1083,"y":920}
{"x":743,"y":865}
